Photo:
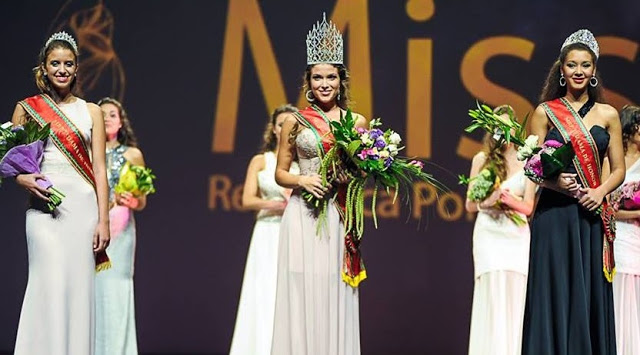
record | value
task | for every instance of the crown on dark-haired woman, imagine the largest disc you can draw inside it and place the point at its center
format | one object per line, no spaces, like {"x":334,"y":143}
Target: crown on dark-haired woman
{"x":63,"y":36}
{"x":324,"y":43}
{"x":585,"y":37}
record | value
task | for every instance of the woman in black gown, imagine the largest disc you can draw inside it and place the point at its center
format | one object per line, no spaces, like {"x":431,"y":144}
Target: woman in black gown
{"x":569,"y":306}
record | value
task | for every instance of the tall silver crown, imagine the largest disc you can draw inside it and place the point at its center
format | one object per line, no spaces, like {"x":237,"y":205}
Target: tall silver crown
{"x":585,"y":37}
{"x":63,"y":36}
{"x":324,"y":43}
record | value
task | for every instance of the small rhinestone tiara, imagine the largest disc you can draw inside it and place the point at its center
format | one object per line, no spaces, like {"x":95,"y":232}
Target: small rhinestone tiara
{"x":585,"y":37}
{"x":324,"y":43}
{"x":63,"y":36}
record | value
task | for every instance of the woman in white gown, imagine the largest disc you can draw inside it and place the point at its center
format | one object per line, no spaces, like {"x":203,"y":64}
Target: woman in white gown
{"x":500,"y":253}
{"x":115,"y":304}
{"x":58,"y":311}
{"x":316,"y":311}
{"x":254,"y":322}
{"x":626,"y":247}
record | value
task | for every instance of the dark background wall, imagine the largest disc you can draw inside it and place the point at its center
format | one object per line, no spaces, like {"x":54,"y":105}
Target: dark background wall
{"x":199,"y":90}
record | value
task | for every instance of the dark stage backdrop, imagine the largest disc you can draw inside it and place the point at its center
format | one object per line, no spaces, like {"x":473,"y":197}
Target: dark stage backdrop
{"x":199,"y":78}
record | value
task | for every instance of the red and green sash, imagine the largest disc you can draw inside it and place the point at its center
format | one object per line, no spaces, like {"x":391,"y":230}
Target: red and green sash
{"x":587,"y":164}
{"x":353,"y":271}
{"x":68,"y":139}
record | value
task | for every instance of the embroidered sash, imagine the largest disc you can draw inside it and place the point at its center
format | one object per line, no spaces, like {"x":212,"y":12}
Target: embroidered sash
{"x":68,"y":139}
{"x":587,"y":164}
{"x":353,"y":270}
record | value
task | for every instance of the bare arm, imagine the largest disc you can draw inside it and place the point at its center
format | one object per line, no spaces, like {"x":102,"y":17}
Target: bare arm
{"x":620,"y":214}
{"x":98,"y":138}
{"x":251,"y":199}
{"x":524,"y":206}
{"x":135,"y":157}
{"x":286,"y":153}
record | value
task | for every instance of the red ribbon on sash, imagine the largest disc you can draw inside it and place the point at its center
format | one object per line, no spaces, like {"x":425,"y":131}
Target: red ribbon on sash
{"x":68,"y":139}
{"x":353,"y":270}
{"x":587,"y":164}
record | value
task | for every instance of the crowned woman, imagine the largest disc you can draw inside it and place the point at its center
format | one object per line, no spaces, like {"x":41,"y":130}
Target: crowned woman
{"x":318,"y":268}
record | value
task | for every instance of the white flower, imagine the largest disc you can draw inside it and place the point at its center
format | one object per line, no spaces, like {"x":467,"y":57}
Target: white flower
{"x":530,"y":144}
{"x":395,"y":138}
{"x":6,"y":125}
{"x":366,"y":139}
{"x":393,"y":149}
{"x":384,"y":154}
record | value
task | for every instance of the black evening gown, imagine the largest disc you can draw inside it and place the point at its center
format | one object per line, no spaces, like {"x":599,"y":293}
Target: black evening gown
{"x":569,"y":306}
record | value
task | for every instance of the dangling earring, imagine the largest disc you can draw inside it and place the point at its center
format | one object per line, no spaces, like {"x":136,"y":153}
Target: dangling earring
{"x":338,"y":97}
{"x":593,"y":83}
{"x":563,"y":81}
{"x":310,"y":98}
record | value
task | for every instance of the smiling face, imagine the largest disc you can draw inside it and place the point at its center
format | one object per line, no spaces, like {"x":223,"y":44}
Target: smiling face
{"x":112,"y":120}
{"x":577,"y":68}
{"x":324,"y":81}
{"x":60,"y":67}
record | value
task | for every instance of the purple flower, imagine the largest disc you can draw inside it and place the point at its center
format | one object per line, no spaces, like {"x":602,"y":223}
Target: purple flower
{"x":380,"y":143}
{"x":375,"y":133}
{"x":388,"y":162}
{"x":17,"y":128}
{"x":552,"y":143}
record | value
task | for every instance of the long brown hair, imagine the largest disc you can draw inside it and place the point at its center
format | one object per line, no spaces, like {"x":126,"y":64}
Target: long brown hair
{"x":40,"y":74}
{"x":345,"y":96}
{"x":270,"y":141}
{"x":126,"y":136}
{"x":552,"y":89}
{"x":494,"y":152}
{"x":630,"y":121}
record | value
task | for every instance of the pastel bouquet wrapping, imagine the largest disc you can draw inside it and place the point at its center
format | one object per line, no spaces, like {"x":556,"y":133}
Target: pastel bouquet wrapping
{"x":137,"y":180}
{"x":21,"y":152}
{"x":368,"y":155}
{"x":483,"y":185}
{"x":626,"y":197}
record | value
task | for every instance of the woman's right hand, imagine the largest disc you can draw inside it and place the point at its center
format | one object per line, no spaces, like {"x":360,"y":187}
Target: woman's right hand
{"x":313,"y":185}
{"x":567,"y":183}
{"x":28,"y":181}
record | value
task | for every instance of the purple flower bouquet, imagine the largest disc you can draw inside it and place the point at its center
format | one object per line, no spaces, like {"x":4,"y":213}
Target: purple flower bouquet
{"x":548,"y":160}
{"x":21,"y":152}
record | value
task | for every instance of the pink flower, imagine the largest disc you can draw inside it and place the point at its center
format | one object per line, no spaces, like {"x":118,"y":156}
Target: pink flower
{"x":364,"y":154}
{"x":360,"y":130}
{"x":552,"y":143}
{"x":417,"y":163}
{"x":534,"y":164}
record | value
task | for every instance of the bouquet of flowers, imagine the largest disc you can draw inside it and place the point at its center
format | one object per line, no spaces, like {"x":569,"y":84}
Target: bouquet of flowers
{"x":372,"y":155}
{"x":626,"y":197}
{"x":21,"y":151}
{"x":483,"y":185}
{"x":542,"y":162}
{"x":135,"y":179}
{"x":545,"y":161}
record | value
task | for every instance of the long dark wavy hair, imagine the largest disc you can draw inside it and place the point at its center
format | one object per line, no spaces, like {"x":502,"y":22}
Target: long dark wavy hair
{"x":126,"y":136}
{"x":40,"y":75}
{"x":630,"y":121}
{"x":552,"y":89}
{"x":493,"y":151}
{"x":270,"y":141}
{"x":345,"y":96}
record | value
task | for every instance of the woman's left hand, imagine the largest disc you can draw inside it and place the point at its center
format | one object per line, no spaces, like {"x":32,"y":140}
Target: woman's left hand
{"x":101,"y":237}
{"x":127,"y":199}
{"x":591,"y":198}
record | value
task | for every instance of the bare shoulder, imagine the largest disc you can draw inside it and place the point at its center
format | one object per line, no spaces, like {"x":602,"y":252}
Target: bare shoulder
{"x":94,"y":110}
{"x":479,"y":159}
{"x":134,"y":155}
{"x":361,"y":121}
{"x":608,"y":112}
{"x":19,"y":116}
{"x":257,"y":162}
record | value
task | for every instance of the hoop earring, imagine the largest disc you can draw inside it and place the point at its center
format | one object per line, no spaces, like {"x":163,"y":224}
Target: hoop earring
{"x":592,"y":83}
{"x":562,"y":80}
{"x":310,"y":99}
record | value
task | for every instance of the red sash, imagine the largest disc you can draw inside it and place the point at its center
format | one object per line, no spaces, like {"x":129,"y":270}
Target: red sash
{"x":587,"y":164}
{"x":68,"y":139}
{"x":353,"y":271}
